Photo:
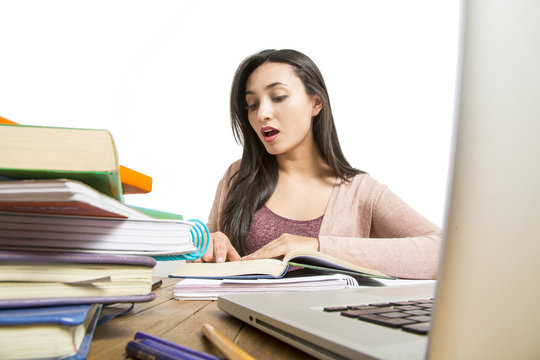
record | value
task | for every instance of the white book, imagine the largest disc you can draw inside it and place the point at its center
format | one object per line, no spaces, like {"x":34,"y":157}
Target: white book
{"x":61,"y":197}
{"x":93,"y":234}
{"x":210,"y":289}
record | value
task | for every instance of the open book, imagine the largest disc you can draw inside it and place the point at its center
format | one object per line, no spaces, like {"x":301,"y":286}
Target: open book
{"x":273,"y":268}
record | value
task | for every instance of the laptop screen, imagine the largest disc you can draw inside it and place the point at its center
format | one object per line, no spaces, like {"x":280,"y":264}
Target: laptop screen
{"x":492,"y":229}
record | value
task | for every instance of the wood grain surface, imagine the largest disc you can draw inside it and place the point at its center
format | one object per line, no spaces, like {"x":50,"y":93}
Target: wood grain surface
{"x":181,"y":322}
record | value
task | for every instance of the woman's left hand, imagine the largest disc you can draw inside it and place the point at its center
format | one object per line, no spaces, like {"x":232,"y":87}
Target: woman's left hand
{"x":282,"y":245}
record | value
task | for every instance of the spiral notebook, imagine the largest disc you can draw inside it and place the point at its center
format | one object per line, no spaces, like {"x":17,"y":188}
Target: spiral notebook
{"x":152,"y":237}
{"x":210,"y":289}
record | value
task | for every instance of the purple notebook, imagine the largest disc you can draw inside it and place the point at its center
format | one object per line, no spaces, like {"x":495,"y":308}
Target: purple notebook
{"x":82,"y":258}
{"x":24,"y":303}
{"x":29,"y":257}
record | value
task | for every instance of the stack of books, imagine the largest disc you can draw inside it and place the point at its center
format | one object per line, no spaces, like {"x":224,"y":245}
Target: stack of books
{"x":68,"y":241}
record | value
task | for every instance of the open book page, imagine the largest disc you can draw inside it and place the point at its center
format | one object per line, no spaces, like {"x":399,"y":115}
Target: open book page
{"x":210,"y":289}
{"x":302,"y":281}
{"x":319,"y":261}
{"x":269,"y":268}
{"x":402,"y":282}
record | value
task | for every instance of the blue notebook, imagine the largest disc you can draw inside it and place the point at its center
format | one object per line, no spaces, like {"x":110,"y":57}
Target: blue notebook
{"x":61,"y":332}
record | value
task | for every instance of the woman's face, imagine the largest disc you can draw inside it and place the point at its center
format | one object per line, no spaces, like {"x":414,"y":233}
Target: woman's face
{"x":279,"y":109}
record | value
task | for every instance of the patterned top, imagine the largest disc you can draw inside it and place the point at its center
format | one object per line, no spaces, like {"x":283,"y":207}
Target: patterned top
{"x":267,"y":226}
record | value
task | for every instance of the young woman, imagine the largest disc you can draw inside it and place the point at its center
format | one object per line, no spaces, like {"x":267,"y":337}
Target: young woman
{"x":293,"y":187}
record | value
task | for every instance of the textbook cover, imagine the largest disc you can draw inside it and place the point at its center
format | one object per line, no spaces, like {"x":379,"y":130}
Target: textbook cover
{"x":86,"y":155}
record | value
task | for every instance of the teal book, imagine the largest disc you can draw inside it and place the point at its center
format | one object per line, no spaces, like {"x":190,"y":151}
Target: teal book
{"x":51,"y":332}
{"x":157,"y":214}
{"x":40,"y":152}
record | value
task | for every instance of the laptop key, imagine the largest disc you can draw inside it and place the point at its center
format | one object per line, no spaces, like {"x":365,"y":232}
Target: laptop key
{"x":426,"y":301}
{"x":398,"y":303}
{"x":396,"y":314}
{"x":335,"y":308}
{"x":382,"y":320}
{"x":360,"y":307}
{"x":416,"y":312}
{"x":407,"y":307}
{"x":356,"y":313}
{"x":418,"y":328}
{"x":412,"y":316}
{"x":420,"y":318}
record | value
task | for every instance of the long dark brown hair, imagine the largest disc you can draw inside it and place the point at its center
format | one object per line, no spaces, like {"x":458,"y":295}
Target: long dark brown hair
{"x":255,"y":181}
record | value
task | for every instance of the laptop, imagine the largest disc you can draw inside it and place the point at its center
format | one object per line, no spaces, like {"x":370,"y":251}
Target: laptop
{"x":487,"y":297}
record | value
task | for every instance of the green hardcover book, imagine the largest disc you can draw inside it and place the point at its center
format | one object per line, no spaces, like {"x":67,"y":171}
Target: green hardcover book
{"x":39,"y":152}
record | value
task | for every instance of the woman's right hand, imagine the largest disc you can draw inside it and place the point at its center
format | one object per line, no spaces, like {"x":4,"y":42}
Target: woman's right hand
{"x":219,"y":249}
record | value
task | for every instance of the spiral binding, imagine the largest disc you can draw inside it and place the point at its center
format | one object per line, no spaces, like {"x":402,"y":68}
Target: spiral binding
{"x":198,"y":238}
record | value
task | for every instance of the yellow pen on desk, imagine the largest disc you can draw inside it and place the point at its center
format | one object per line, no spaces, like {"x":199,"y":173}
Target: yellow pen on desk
{"x":226,"y":346}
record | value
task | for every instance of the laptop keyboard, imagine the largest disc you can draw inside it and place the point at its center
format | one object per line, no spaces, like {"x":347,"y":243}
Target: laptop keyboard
{"x":412,"y":316}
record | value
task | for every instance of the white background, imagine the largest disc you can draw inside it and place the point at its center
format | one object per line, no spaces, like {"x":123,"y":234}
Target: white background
{"x":157,"y":74}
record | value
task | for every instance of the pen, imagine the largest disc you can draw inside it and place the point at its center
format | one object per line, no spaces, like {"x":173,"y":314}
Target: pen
{"x":165,"y":350}
{"x":226,"y":346}
{"x":142,"y":351}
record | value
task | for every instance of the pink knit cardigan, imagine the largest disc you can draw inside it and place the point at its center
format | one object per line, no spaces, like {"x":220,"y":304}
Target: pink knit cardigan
{"x":365,"y":224}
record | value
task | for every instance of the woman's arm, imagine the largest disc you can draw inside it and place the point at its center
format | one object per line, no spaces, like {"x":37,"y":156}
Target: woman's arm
{"x":368,"y":225}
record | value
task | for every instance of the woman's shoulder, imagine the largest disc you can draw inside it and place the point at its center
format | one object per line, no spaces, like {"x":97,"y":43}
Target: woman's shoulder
{"x":362,"y":187}
{"x":361,"y":181}
{"x":225,"y":181}
{"x":232,"y":169}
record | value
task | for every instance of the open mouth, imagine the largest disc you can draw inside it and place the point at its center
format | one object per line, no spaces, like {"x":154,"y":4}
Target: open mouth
{"x":269,"y":133}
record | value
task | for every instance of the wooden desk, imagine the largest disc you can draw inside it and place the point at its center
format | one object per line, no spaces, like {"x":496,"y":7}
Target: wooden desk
{"x":181,"y":322}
